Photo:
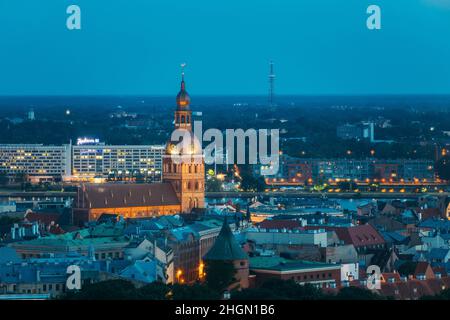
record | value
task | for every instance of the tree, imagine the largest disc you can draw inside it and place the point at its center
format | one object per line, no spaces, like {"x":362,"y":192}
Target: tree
{"x":3,"y":178}
{"x":277,"y":289}
{"x":355,"y":293}
{"x":347,"y":185}
{"x":407,"y":268}
{"x":105,"y":290}
{"x":219,"y":274}
{"x":194,"y":292}
{"x":443,"y":168}
{"x":154,"y":291}
{"x":6,"y":220}
{"x":213,"y":185}
{"x":248,"y":180}
{"x":443,"y":295}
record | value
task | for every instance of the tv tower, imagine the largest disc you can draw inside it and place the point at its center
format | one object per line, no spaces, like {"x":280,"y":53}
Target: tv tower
{"x":271,"y":87}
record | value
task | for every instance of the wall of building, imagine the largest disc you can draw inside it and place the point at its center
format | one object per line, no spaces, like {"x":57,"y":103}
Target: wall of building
{"x":318,"y":276}
{"x":104,"y":160}
{"x":267,"y":237}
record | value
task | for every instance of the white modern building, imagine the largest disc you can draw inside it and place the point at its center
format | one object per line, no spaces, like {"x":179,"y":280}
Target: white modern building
{"x":106,"y":160}
{"x":37,"y":161}
{"x":85,"y":161}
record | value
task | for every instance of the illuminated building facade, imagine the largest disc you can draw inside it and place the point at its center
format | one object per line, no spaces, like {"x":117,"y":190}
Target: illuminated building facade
{"x":127,"y":200}
{"x":39,"y":162}
{"x":82,"y":162}
{"x":182,"y":189}
{"x":99,"y":160}
{"x":183,"y":163}
{"x":302,"y":170}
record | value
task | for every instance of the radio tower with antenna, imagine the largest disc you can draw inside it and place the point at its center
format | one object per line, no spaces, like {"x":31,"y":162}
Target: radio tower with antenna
{"x":271,"y":87}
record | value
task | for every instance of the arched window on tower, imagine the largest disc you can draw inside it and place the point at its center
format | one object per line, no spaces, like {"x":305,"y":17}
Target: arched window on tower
{"x":174,"y":168}
{"x":196,"y":185}
{"x":182,"y":119}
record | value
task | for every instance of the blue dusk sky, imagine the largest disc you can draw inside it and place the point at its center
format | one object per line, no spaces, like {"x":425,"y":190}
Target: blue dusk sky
{"x":128,"y":47}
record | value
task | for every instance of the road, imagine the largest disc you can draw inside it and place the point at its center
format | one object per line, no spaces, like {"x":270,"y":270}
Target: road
{"x":218,"y":195}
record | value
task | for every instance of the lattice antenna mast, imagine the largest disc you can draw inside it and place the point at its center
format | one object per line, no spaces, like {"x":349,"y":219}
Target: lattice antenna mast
{"x":271,"y":86}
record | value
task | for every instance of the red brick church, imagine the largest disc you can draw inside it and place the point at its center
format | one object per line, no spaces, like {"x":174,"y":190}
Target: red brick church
{"x":182,"y":189}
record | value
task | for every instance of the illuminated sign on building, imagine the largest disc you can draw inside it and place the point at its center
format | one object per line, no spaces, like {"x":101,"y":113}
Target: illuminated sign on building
{"x":87,"y":141}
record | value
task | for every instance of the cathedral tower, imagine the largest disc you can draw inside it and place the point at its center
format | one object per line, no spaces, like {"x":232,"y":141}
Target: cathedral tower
{"x":183,"y":163}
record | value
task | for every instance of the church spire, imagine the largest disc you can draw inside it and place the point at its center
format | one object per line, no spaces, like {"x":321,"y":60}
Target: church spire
{"x":182,"y":76}
{"x":183,"y":99}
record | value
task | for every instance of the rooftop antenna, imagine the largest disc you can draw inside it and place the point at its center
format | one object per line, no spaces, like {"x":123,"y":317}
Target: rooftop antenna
{"x":271,"y":86}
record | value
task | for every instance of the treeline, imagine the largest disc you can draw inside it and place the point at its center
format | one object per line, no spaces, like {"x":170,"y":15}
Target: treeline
{"x":271,"y":290}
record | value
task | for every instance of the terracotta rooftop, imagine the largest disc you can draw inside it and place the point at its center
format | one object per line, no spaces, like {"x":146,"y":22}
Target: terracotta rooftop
{"x":364,"y":235}
{"x":43,"y":217}
{"x":126,"y":195}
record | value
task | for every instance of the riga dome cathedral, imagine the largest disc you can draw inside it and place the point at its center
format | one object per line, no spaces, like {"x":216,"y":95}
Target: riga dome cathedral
{"x":183,"y":163}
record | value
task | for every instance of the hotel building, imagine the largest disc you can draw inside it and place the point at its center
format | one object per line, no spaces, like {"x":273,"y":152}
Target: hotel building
{"x":38,"y":162}
{"x":81,"y":162}
{"x":99,"y":160}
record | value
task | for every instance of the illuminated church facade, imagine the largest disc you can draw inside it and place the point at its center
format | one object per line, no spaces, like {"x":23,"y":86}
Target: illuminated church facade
{"x":183,"y":163}
{"x":183,"y":182}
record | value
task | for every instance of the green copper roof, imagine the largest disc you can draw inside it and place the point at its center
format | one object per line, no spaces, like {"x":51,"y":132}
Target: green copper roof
{"x":277,"y":263}
{"x":225,"y":247}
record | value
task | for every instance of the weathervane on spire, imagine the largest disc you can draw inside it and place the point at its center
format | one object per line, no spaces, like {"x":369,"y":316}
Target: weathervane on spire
{"x":183,"y":65}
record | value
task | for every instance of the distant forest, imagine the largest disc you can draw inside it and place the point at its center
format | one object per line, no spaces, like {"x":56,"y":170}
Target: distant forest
{"x":418,"y":125}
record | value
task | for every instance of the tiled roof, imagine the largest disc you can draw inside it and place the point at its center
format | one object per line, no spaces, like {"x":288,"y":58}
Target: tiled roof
{"x":43,"y":217}
{"x":421,"y":268}
{"x":126,"y":195}
{"x":364,"y":235}
{"x":430,"y":213}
